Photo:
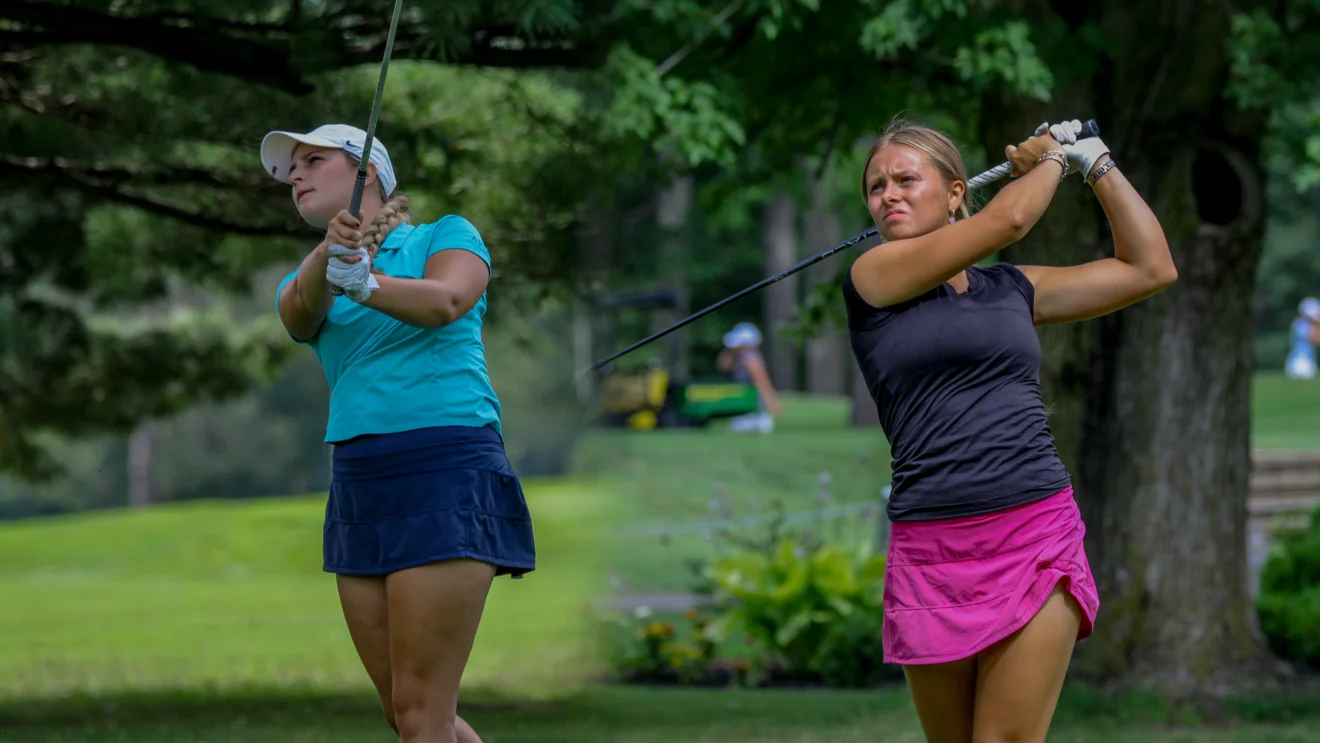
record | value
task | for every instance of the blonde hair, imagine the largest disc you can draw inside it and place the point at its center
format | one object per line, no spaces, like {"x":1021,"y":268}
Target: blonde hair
{"x":940,"y":150}
{"x":393,"y":213}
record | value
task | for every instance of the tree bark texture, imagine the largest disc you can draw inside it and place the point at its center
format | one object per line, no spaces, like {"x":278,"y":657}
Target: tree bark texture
{"x":825,"y":354}
{"x":139,"y":466}
{"x":674,"y":203}
{"x":596,"y":260}
{"x":1151,"y":405}
{"x":779,"y":233}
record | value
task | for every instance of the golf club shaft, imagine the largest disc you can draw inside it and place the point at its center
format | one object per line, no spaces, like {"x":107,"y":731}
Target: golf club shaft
{"x":360,"y":185}
{"x":1089,"y":129}
{"x":735,"y":297}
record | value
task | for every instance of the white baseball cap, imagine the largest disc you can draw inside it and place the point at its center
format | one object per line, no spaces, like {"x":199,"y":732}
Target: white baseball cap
{"x":277,"y":150}
{"x":743,"y":334}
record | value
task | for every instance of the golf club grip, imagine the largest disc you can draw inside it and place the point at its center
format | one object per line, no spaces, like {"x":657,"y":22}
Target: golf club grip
{"x":1002,"y":170}
{"x":354,"y":208}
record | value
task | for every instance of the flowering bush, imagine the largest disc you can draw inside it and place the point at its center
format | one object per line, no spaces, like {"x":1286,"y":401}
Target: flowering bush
{"x":647,"y":649}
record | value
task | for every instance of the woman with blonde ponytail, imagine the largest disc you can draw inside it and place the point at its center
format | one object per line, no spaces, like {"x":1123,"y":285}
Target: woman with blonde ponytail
{"x":987,"y":585}
{"x":424,"y":509}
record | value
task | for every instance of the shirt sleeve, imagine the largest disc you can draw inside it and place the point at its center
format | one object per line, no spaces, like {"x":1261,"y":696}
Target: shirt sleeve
{"x":1020,"y":280}
{"x":455,"y":232}
{"x":280,"y":291}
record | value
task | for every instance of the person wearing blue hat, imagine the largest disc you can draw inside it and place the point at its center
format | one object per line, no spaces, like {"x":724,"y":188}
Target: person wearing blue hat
{"x":1305,"y":332}
{"x":424,"y":509}
{"x":742,"y":358}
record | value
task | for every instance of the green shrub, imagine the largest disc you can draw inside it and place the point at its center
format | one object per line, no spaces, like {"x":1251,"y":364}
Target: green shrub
{"x":815,"y":611}
{"x":1291,"y":623}
{"x":1289,"y":601}
{"x":850,"y":654}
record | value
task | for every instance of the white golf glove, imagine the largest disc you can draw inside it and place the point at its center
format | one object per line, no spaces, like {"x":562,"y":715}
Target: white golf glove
{"x":354,"y":278}
{"x":1082,"y":153}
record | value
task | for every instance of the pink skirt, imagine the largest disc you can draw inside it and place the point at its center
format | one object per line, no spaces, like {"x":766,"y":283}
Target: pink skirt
{"x":954,"y":587}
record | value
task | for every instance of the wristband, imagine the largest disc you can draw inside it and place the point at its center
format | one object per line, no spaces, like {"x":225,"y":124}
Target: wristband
{"x":1100,"y":172}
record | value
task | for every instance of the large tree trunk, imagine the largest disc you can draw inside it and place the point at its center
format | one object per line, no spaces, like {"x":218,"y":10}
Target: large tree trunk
{"x":779,"y":233}
{"x":673,"y":204}
{"x":826,"y":372}
{"x":596,"y":254}
{"x":1150,"y":405}
{"x":139,"y":466}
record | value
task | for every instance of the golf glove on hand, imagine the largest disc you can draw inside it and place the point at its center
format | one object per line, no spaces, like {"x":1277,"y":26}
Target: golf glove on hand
{"x":354,"y":278}
{"x":1082,"y":154}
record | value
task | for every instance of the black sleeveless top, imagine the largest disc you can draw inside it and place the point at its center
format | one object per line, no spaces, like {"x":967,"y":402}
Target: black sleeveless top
{"x":956,"y":380}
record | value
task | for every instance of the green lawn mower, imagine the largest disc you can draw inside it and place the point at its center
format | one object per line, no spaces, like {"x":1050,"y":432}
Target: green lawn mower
{"x":651,"y":398}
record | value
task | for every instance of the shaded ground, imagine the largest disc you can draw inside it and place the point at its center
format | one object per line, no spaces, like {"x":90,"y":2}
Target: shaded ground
{"x":612,"y":715}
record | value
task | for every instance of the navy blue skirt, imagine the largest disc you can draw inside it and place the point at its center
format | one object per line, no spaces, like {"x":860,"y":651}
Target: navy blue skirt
{"x":416,"y":497}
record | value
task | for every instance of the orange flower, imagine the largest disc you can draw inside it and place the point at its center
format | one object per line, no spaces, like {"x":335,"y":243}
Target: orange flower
{"x":663,"y":629}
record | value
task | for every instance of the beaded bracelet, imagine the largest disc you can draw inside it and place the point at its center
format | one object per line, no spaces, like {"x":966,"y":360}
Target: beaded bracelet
{"x":1100,"y":172}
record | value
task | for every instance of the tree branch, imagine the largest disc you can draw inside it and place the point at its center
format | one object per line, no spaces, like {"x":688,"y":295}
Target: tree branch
{"x":672,"y":61}
{"x":86,"y":181}
{"x":200,"y":45}
{"x":266,"y":58}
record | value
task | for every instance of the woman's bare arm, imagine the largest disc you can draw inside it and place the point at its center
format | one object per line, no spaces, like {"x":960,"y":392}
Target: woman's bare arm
{"x":766,"y":388}
{"x":451,"y":286}
{"x":306,"y":299}
{"x":1141,"y":266}
{"x":900,"y":270}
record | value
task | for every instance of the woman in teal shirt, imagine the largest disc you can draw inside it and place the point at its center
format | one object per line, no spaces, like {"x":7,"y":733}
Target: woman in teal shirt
{"x":424,"y":509}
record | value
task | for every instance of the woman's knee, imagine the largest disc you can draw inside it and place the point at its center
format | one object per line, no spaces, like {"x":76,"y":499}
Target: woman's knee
{"x":419,"y":708}
{"x":387,"y":706}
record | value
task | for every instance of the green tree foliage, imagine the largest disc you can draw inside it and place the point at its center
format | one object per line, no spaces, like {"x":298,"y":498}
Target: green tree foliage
{"x":132,"y":187}
{"x":131,"y":181}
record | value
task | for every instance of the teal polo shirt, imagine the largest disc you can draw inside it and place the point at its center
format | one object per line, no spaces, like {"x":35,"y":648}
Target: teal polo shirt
{"x":388,"y":376}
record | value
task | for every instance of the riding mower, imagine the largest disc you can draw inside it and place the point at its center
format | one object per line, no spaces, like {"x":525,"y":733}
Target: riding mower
{"x":651,"y":398}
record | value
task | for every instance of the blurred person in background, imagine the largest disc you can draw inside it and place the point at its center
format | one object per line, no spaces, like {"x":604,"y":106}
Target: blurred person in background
{"x":1305,"y":334}
{"x":741,"y":358}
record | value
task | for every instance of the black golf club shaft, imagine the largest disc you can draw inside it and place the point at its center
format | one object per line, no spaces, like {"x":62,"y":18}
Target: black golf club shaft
{"x":763,"y":283}
{"x":360,"y":185}
{"x":1089,"y":129}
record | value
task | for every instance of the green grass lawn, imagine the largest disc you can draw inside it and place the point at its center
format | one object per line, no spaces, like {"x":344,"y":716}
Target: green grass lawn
{"x":213,"y":621}
{"x":671,"y":476}
{"x":224,"y":595}
{"x":1285,"y":412}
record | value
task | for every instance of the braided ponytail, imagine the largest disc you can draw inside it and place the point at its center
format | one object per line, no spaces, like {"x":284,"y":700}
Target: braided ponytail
{"x":392,"y":214}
